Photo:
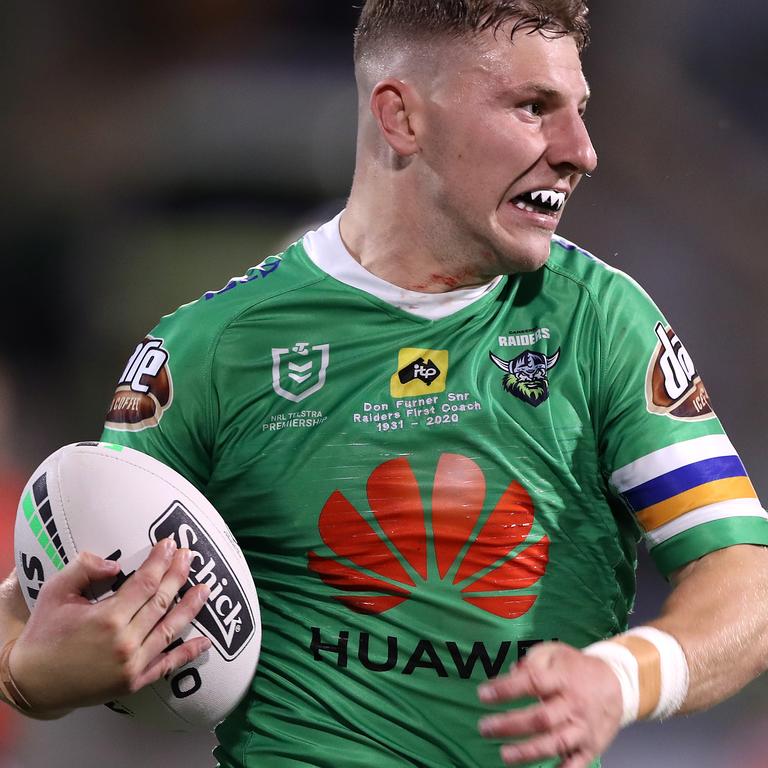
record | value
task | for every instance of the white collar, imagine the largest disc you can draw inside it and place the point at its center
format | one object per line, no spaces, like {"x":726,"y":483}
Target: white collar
{"x":327,"y":251}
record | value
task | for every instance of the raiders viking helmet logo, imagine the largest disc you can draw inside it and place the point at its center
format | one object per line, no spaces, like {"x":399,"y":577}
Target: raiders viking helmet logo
{"x":527,"y":376}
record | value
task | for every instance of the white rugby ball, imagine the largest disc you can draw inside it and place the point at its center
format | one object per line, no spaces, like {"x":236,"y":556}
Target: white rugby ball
{"x":117,"y":503}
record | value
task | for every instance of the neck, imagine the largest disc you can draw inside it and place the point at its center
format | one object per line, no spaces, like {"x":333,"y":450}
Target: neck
{"x":393,"y":237}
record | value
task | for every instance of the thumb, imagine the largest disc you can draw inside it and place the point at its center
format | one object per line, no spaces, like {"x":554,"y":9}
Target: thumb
{"x":543,"y":654}
{"x":86,"y":569}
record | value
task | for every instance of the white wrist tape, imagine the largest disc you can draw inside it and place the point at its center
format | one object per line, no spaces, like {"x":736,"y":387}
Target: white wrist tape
{"x":652,"y":671}
{"x":624,"y":664}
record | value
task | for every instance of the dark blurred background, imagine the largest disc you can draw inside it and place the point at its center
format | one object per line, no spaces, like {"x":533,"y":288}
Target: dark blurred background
{"x":152,"y":149}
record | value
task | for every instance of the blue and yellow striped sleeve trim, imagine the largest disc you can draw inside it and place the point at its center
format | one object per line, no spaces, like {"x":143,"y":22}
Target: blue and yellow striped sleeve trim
{"x":689,"y":484}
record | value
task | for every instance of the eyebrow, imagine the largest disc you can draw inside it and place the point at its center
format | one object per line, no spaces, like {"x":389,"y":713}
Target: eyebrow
{"x":547,"y":91}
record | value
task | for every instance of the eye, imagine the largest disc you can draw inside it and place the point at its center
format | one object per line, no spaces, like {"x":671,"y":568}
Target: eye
{"x":535,"y":108}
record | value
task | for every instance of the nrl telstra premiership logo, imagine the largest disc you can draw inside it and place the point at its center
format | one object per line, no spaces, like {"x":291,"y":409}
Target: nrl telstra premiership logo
{"x":300,"y":371}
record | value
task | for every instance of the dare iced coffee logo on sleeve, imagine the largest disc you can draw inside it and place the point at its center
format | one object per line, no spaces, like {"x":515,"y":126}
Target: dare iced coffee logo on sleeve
{"x":672,"y":386}
{"x":144,"y":391}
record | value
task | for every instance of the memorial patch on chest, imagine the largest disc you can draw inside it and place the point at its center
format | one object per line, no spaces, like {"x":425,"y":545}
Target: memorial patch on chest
{"x":527,"y":376}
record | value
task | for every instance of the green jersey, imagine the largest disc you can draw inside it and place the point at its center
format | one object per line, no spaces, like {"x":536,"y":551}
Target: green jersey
{"x":427,"y":485}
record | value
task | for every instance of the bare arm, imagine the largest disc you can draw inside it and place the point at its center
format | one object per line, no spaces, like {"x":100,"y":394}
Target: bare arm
{"x":13,"y":617}
{"x":717,"y":611}
{"x":13,"y":609}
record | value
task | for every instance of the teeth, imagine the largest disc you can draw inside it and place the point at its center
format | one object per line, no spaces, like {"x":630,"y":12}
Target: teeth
{"x":549,"y":197}
{"x":523,"y":207}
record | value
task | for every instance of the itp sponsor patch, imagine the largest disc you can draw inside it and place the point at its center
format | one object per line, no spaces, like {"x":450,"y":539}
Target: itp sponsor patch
{"x":419,"y":372}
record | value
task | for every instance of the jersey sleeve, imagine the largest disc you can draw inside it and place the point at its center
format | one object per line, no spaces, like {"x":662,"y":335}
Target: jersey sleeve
{"x":163,"y":404}
{"x":663,"y":449}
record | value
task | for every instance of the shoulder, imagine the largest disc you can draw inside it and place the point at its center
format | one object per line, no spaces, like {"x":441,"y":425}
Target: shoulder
{"x":572,"y":261}
{"x":267,"y":282}
{"x":603,"y":281}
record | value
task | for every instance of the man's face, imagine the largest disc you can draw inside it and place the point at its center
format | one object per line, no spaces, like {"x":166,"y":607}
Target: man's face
{"x":504,"y":145}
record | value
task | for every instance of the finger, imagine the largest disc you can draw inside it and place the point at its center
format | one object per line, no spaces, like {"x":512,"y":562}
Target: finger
{"x":538,"y":718}
{"x":561,"y":743}
{"x":143,"y":584}
{"x":166,"y":663}
{"x":526,"y":679}
{"x":548,"y":655}
{"x":536,"y":675}
{"x":514,"y":685}
{"x":577,"y":760}
{"x":162,"y":600}
{"x":76,"y":576}
{"x":174,"y":622}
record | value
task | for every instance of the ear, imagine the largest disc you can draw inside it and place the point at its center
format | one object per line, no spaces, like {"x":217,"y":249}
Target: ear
{"x":392,"y":104}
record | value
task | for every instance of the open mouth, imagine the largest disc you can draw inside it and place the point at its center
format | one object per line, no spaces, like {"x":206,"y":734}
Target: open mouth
{"x":547,"y":201}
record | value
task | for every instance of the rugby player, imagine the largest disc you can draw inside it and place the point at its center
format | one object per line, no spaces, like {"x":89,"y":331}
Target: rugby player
{"x":438,"y":431}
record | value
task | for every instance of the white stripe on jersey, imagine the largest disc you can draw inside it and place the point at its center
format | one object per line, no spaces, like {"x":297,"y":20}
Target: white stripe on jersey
{"x":672,"y":457}
{"x":719,"y":511}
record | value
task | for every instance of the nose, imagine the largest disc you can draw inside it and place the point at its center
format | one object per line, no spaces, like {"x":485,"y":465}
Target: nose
{"x":570,"y":147}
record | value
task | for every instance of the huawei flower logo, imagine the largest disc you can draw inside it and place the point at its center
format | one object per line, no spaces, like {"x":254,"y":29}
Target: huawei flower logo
{"x":386,"y":564}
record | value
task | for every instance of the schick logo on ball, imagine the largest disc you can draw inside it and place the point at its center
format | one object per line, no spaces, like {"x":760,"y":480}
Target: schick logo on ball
{"x":226,"y":617}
